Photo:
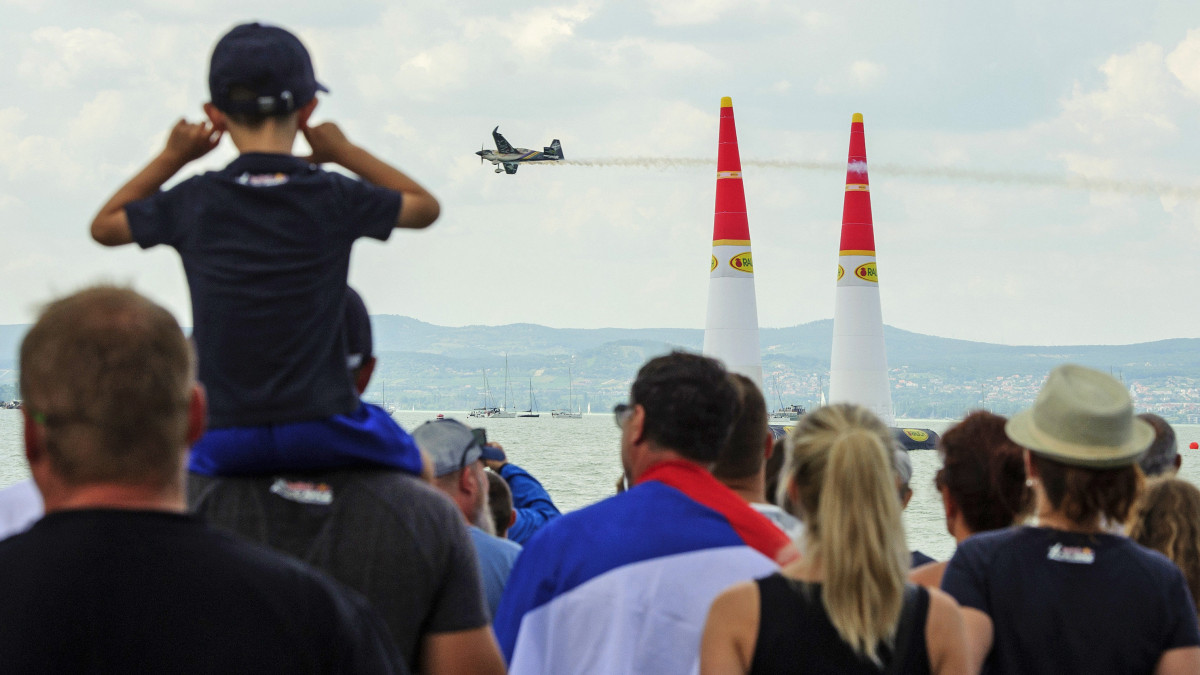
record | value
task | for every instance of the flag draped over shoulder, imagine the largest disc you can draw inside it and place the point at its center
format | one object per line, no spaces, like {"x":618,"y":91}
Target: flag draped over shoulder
{"x":624,"y":585}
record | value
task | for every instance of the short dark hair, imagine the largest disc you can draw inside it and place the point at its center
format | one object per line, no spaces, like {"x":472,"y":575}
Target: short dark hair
{"x":984,"y":472}
{"x":1083,"y":493}
{"x":1160,"y":456}
{"x":690,"y":404}
{"x":500,"y":503}
{"x":743,"y":454}
{"x":109,"y":376}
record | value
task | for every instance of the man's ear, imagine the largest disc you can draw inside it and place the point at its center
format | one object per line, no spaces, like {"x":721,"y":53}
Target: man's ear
{"x":197,"y":414}
{"x":218,"y":118}
{"x":362,"y":376}
{"x":636,"y":423}
{"x":34,"y":450}
{"x":466,"y":482}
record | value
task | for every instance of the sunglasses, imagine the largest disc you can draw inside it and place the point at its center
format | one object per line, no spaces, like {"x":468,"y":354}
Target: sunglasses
{"x":621,"y":412}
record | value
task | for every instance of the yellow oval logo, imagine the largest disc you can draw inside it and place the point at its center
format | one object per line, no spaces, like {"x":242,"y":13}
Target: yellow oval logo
{"x":841,"y":272}
{"x":714,"y":264}
{"x":742,"y":262}
{"x":866,"y":272}
{"x":917,"y":435}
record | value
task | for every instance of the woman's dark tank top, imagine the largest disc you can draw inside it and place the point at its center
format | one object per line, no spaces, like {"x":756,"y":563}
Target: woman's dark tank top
{"x":795,"y":634}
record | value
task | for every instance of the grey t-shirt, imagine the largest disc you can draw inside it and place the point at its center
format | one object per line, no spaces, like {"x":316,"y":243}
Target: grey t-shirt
{"x":387,"y":534}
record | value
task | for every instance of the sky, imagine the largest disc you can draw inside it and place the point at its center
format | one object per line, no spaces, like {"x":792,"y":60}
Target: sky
{"x":1034,"y":172}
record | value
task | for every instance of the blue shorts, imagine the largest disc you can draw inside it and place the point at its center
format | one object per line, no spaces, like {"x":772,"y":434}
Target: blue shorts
{"x":367,"y":437}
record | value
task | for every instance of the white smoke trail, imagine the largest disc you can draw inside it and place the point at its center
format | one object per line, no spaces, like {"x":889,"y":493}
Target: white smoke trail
{"x":1082,"y":183}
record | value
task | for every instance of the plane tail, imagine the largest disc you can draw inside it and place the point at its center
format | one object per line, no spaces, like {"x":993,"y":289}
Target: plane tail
{"x":554,"y":150}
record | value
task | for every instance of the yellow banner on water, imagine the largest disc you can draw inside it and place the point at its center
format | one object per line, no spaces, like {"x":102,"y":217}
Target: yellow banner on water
{"x":742,"y":262}
{"x":867,"y":272}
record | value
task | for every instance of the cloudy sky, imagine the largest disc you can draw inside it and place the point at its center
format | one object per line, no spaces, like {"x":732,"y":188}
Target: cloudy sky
{"x":1034,"y":166}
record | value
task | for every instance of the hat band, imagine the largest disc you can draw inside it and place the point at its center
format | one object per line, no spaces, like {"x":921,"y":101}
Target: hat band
{"x":1098,"y":456}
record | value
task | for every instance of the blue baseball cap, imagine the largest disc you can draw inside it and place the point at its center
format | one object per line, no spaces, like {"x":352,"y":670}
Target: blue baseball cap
{"x":268,"y":61}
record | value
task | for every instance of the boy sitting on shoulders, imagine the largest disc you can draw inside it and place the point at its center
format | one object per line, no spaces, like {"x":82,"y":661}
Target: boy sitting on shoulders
{"x":265,"y":244}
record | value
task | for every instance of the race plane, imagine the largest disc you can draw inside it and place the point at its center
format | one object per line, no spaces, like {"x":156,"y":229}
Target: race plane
{"x":510,"y":157}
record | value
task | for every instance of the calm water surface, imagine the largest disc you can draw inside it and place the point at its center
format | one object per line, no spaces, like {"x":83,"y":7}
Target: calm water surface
{"x":579,"y":462}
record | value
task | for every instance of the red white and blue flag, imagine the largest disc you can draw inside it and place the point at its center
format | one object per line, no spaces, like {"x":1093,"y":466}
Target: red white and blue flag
{"x":624,"y":585}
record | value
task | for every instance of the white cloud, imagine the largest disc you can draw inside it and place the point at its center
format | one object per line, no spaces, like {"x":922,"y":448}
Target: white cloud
{"x":59,"y":58}
{"x":1184,"y":62}
{"x":690,"y":12}
{"x":1136,"y":97}
{"x":866,"y":74}
{"x":858,"y":76}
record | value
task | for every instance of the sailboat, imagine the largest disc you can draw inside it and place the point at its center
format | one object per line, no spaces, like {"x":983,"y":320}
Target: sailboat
{"x":532,"y":412}
{"x":504,"y":412}
{"x":487,"y":410}
{"x":570,"y":413}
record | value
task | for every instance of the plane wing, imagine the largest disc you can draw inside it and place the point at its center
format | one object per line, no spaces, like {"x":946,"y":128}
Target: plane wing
{"x":510,"y":167}
{"x":502,"y":145}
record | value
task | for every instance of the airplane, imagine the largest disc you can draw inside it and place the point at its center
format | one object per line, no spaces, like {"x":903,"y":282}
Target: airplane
{"x":511,"y":157}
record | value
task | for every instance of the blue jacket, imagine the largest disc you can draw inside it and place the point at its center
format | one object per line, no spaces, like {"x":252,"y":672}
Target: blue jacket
{"x":531,"y":502}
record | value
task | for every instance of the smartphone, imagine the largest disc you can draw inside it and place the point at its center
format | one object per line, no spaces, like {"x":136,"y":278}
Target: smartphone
{"x":480,"y":436}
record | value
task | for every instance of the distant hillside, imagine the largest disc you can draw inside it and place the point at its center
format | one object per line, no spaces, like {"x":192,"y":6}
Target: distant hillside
{"x":444,"y":368}
{"x":437,"y":367}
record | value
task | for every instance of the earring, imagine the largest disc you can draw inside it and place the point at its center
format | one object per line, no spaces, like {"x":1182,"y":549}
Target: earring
{"x":1029,"y":482}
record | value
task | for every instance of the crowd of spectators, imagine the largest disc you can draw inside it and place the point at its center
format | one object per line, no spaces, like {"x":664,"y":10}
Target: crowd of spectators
{"x":228,"y":503}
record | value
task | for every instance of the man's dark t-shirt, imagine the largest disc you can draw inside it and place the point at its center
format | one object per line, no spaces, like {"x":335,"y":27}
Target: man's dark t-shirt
{"x":122,"y":591}
{"x":265,"y":244}
{"x":387,"y":534}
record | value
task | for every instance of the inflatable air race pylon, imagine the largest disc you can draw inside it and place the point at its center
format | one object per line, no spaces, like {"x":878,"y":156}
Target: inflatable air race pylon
{"x":731,"y":330}
{"x":858,"y":365}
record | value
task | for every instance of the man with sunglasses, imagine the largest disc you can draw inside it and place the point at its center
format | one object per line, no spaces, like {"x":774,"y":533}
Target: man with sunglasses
{"x":624,"y":585}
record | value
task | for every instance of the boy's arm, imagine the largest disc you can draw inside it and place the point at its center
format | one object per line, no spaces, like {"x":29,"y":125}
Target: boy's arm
{"x":186,"y":142}
{"x":418,"y":209}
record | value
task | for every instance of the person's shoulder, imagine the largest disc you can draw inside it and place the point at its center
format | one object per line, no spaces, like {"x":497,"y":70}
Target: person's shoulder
{"x":1151,"y":563}
{"x":502,"y":547}
{"x":993,"y":540}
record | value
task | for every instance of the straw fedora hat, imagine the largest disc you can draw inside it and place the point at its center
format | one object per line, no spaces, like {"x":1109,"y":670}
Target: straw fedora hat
{"x":1082,"y":417}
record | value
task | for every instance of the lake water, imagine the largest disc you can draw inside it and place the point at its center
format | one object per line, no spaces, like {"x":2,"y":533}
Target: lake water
{"x":578,"y":460}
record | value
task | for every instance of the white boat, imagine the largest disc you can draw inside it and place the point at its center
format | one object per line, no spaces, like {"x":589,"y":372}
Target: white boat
{"x":488,"y":410}
{"x":570,"y":413}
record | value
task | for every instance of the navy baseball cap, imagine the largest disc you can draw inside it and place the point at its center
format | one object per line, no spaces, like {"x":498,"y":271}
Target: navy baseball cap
{"x":357,"y":325}
{"x":268,"y":61}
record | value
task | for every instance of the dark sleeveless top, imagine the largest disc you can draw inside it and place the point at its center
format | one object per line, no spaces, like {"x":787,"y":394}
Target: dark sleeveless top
{"x":796,"y":635}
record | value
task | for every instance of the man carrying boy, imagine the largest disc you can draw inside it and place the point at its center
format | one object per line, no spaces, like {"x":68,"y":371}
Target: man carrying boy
{"x":265,"y":243}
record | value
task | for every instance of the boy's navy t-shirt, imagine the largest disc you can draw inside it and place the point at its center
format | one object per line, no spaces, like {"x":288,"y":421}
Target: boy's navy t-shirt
{"x":1065,"y":602}
{"x":265,"y":244}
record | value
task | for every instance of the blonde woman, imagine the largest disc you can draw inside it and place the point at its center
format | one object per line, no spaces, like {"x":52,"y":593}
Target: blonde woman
{"x":1168,"y":521}
{"x":844,"y":607}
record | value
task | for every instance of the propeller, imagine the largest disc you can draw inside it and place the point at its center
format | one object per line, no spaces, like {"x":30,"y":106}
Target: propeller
{"x":482,"y":147}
